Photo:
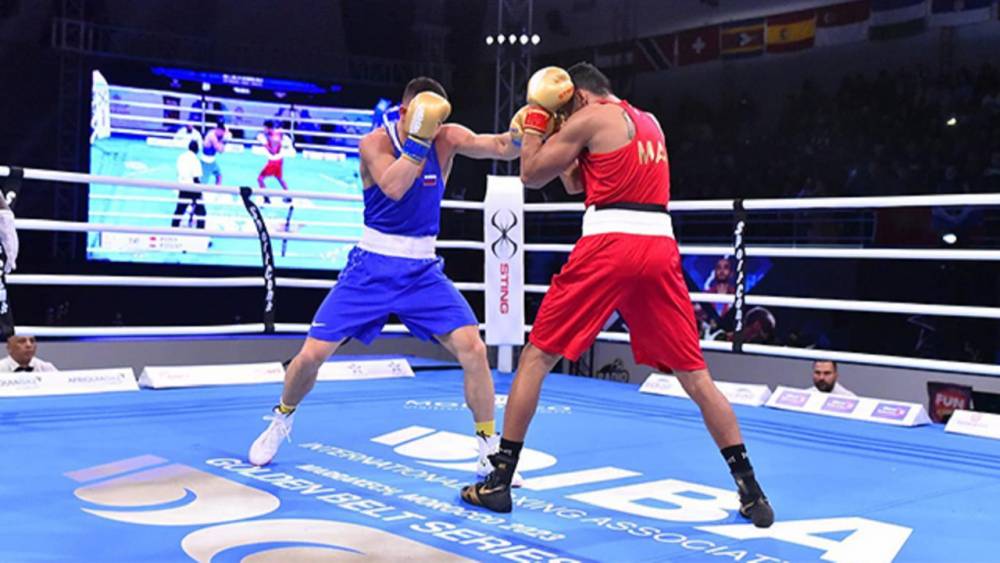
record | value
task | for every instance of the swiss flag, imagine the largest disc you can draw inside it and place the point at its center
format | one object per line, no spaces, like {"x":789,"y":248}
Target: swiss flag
{"x":698,"y":45}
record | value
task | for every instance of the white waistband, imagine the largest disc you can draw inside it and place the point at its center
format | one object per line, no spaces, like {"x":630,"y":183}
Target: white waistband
{"x":208,"y":159}
{"x":273,"y":157}
{"x":397,"y":245}
{"x":598,"y":222}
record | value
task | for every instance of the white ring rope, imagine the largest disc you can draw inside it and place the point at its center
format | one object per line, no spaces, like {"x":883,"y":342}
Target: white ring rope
{"x":714,"y":205}
{"x":231,"y":203}
{"x":816,"y":252}
{"x":78,"y":227}
{"x":297,"y":132}
{"x":81,"y":178}
{"x":211,"y":205}
{"x":875,"y":306}
{"x":848,"y":357}
{"x":873,"y":359}
{"x":262,"y":116}
{"x":196,"y":97}
{"x":207,"y":330}
{"x":797,"y":204}
{"x":172,"y":136}
{"x":132,"y":281}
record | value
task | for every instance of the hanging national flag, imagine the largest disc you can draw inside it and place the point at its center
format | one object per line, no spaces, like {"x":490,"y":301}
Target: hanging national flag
{"x":959,"y":12}
{"x":742,"y":39}
{"x":655,"y":53}
{"x":892,"y":19}
{"x":698,"y":45}
{"x":791,"y":32}
{"x":843,"y":23}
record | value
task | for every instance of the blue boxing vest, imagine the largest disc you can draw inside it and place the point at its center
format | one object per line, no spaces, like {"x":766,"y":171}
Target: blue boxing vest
{"x":418,"y":213}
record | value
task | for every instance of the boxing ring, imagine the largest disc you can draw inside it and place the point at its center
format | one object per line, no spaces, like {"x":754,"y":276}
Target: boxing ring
{"x":375,"y":466}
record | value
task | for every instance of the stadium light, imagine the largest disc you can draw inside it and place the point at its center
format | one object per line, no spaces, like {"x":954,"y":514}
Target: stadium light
{"x":513,"y":39}
{"x":952,"y":121}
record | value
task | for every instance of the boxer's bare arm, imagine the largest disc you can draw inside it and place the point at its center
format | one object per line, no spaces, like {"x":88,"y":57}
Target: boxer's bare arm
{"x":541,"y":163}
{"x":379,"y":165}
{"x":478,"y":145}
{"x":572,"y":180}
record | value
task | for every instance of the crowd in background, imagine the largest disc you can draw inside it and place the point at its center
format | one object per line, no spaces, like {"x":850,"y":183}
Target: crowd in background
{"x":907,"y":131}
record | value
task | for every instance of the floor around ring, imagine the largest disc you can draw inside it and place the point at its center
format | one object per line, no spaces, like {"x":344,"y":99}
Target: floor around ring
{"x":374,"y":468}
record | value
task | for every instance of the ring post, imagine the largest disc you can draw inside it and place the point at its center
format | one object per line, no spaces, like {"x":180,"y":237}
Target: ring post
{"x":739,"y":249}
{"x":267,"y":256}
{"x":503,"y":219}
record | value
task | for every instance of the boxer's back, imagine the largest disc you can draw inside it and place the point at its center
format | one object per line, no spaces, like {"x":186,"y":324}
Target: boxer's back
{"x":638,"y":172}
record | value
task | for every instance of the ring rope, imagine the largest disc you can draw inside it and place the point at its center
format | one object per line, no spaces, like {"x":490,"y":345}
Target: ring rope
{"x":817,"y":252}
{"x":82,"y":178}
{"x":797,"y":204}
{"x":80,"y":227}
{"x":813,"y":252}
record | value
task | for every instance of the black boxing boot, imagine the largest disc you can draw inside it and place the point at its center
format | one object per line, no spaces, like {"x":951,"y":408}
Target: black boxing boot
{"x":753,"y":504}
{"x":493,"y":493}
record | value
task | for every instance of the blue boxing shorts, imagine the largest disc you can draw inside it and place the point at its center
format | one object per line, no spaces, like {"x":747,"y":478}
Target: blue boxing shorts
{"x":372,"y":286}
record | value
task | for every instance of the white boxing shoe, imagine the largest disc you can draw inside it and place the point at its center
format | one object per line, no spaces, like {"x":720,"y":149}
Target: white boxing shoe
{"x":488,"y":447}
{"x":265,"y":447}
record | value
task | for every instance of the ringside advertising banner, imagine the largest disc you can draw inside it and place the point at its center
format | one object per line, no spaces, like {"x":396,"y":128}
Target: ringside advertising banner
{"x":504,"y":251}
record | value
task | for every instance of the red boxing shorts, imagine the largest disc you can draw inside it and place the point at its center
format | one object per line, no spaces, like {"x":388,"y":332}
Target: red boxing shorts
{"x":272,"y":168}
{"x":637,"y":275}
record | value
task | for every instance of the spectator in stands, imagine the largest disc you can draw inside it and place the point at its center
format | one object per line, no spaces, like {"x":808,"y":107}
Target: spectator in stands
{"x":22,"y":356}
{"x":893,"y":133}
{"x":825,"y":379}
{"x":758,"y":327}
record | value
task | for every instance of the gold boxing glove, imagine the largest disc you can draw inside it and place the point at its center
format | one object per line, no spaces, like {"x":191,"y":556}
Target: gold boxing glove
{"x":424,"y":115}
{"x":550,"y":88}
{"x":533,"y":120}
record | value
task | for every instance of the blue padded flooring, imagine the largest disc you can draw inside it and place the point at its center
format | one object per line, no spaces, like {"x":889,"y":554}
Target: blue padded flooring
{"x":374,"y":468}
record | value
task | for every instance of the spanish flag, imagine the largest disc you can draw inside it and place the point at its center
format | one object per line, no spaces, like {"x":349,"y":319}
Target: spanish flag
{"x":791,"y":32}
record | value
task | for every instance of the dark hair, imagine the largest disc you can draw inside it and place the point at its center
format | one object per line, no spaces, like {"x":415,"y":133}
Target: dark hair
{"x":828,"y":361}
{"x":586,"y":76}
{"x":193,"y":146}
{"x":221,"y":122}
{"x":423,"y":84}
{"x":269,"y":124}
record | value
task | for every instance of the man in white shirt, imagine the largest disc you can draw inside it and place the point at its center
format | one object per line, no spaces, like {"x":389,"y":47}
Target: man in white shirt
{"x":186,"y":134}
{"x":825,"y":379}
{"x":21,"y":352}
{"x":189,"y":172}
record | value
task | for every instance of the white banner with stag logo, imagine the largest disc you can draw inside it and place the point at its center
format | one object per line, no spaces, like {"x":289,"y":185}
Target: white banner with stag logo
{"x":504,"y":219}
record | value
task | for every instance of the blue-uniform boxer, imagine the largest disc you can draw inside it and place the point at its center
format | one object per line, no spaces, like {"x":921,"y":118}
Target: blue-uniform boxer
{"x":405,"y":165}
{"x":215,"y":143}
{"x":394,"y":269}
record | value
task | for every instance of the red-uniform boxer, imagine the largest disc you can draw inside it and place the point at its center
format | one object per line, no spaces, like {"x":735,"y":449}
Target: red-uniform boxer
{"x":272,"y":143}
{"x":626,"y":260}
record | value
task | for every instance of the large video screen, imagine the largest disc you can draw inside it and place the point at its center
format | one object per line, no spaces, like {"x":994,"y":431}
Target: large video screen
{"x":219,"y":121}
